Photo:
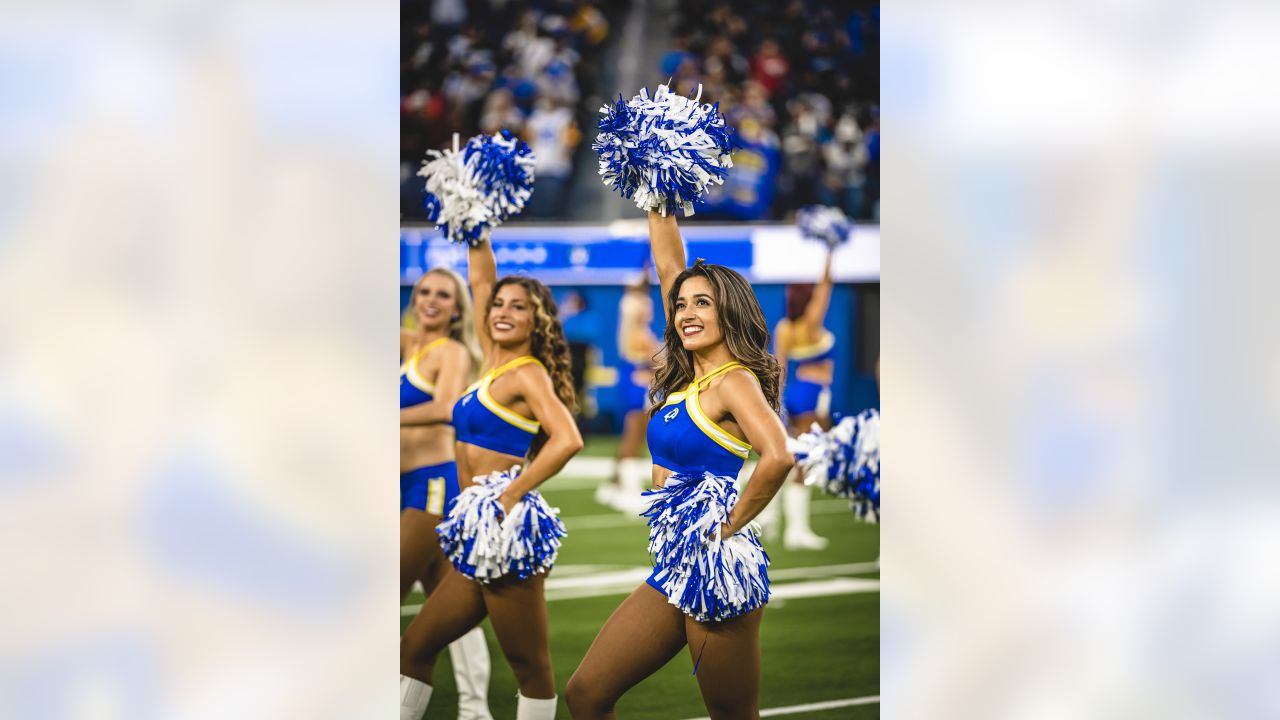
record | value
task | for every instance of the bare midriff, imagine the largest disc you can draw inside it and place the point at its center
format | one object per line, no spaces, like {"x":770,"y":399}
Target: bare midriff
{"x":421,"y":446}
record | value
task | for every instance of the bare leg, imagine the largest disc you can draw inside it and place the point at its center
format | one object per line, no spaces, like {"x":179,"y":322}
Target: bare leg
{"x":455,"y":607}
{"x":633,"y":430}
{"x":518,"y":612}
{"x":641,"y":636}
{"x":727,"y":657}
{"x":420,"y":555}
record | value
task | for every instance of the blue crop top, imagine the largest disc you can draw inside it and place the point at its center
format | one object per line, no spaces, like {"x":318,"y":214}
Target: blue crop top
{"x":479,"y":420}
{"x":414,"y":389}
{"x":823,"y":349}
{"x":682,"y":439}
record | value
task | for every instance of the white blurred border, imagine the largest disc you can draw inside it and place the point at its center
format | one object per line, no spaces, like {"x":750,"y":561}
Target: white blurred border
{"x":1079,"y":360}
{"x":197,"y":259}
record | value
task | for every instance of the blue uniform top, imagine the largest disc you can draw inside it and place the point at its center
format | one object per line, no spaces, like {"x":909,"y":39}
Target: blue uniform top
{"x":798,"y":357}
{"x":479,"y":420}
{"x":684,"y":440}
{"x":414,"y":389}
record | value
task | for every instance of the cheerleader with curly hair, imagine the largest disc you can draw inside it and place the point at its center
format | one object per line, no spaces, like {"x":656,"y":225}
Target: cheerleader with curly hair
{"x":517,"y":414}
{"x":715,"y":398}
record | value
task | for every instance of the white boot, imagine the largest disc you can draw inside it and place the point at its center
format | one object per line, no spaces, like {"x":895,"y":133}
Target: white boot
{"x":535,"y":709}
{"x":470,"y":656}
{"x":798,"y":535}
{"x":414,"y":697}
{"x":631,"y":483}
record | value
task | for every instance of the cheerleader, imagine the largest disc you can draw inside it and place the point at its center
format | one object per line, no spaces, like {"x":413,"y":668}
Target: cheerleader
{"x":636,"y":346}
{"x":715,"y":394}
{"x":805,"y":348}
{"x":439,"y":356}
{"x":517,"y":413}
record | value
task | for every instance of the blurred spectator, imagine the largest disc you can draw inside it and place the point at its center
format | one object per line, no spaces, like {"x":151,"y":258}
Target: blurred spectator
{"x":500,"y":112}
{"x":769,"y":67}
{"x":553,"y":135}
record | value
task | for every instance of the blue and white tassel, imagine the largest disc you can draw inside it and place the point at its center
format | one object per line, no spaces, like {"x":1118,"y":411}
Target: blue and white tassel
{"x":824,"y":224}
{"x":844,"y":461}
{"x":708,"y":577}
{"x":479,"y":187}
{"x":663,"y":152}
{"x":485,"y":545}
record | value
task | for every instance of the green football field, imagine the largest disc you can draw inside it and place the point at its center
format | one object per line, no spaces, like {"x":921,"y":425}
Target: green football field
{"x":820,"y":637}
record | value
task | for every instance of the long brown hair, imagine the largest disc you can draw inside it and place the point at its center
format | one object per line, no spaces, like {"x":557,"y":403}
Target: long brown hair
{"x":741,"y":322}
{"x":546,"y":342}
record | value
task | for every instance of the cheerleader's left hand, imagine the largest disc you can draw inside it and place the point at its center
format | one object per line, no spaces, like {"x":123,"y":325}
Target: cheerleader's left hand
{"x":726,"y":531}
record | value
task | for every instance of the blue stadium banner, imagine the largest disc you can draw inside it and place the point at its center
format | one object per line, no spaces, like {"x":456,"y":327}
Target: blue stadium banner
{"x":609,"y":254}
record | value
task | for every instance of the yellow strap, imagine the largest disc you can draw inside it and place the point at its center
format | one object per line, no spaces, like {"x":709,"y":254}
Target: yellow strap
{"x":701,"y":382}
{"x":708,"y":426}
{"x":508,"y":415}
{"x":522,"y":360}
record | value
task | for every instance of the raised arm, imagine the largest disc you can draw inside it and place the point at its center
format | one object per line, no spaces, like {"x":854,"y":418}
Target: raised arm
{"x":563,"y":439}
{"x":816,"y":311}
{"x":744,"y":400}
{"x":455,"y":369}
{"x":668,"y":252}
{"x":482,"y":272}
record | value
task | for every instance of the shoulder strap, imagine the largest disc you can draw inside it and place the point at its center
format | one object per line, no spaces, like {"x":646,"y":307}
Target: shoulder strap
{"x":522,"y":360}
{"x":701,"y":382}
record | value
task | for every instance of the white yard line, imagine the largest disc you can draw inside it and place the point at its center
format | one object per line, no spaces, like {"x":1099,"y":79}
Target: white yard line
{"x":813,"y":707}
{"x":582,"y":583}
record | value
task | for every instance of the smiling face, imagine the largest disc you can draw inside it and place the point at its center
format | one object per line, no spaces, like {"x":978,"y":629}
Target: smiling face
{"x":511,"y":315}
{"x":696,"y":316}
{"x":435,"y":302}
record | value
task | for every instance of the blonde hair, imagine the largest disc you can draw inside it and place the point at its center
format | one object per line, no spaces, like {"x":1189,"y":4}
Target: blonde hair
{"x":462,"y":326}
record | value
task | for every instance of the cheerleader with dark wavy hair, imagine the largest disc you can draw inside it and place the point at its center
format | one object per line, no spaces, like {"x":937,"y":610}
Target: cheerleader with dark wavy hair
{"x":501,"y":536}
{"x":715,"y":398}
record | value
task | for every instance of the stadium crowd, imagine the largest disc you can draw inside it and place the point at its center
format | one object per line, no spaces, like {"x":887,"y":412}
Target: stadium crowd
{"x":800,"y":83}
{"x":483,"y":65}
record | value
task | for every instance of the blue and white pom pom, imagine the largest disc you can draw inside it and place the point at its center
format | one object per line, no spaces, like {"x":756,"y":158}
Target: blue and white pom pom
{"x":662,"y":152}
{"x":479,"y":187}
{"x":708,"y":577}
{"x":824,"y":224}
{"x":845,"y":462}
{"x":484,"y":545}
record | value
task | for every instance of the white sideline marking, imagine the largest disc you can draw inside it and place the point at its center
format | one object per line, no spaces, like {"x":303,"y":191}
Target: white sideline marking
{"x":584,"y":584}
{"x":813,"y":707}
{"x":823,"y":588}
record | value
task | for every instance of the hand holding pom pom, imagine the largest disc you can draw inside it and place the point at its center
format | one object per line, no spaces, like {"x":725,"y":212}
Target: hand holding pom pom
{"x":663,"y":152}
{"x":824,"y":224}
{"x":845,"y":461}
{"x":478,"y":188}
{"x":487,"y":535}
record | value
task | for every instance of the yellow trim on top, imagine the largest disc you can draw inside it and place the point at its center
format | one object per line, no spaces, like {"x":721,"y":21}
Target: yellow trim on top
{"x":410,"y":367}
{"x":528,"y":425}
{"x":804,"y":352}
{"x":719,"y":435}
